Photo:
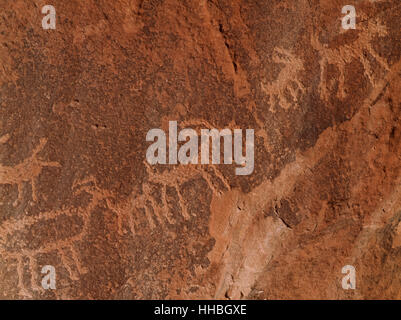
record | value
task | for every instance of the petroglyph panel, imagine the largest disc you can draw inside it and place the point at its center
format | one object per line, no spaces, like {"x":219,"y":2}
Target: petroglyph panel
{"x":77,"y":192}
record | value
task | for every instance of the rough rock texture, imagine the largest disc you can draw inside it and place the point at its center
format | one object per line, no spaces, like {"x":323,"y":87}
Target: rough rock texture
{"x":76,"y":191}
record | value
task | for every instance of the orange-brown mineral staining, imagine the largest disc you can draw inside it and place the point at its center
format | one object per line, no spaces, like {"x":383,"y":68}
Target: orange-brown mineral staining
{"x":76,"y":190}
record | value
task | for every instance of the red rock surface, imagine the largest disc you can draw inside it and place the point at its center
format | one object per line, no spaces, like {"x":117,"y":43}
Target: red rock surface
{"x":76,"y":191}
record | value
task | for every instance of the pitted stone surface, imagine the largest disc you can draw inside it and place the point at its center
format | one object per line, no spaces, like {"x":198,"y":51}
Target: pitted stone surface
{"x":77,"y":193}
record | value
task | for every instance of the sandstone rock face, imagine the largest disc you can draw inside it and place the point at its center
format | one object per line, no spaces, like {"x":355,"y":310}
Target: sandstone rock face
{"x":77,"y":193}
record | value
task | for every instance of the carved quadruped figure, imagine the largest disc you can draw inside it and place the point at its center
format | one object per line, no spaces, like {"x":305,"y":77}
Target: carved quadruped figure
{"x":342,"y":56}
{"x":26,"y":171}
{"x":287,"y":88}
